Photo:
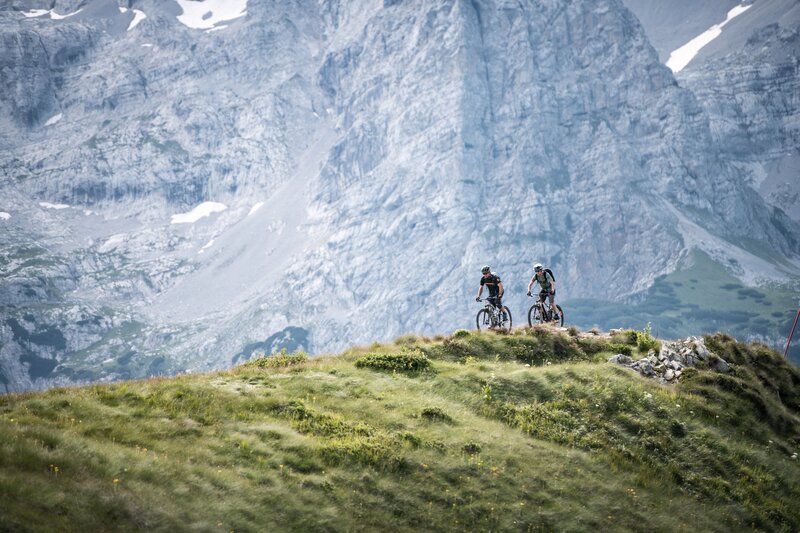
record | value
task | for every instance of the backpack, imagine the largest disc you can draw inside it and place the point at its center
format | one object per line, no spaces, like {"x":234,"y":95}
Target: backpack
{"x":548,"y":271}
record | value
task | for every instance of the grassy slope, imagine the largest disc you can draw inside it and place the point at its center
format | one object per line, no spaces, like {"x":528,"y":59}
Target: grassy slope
{"x":478,"y":441}
{"x":701,"y":296}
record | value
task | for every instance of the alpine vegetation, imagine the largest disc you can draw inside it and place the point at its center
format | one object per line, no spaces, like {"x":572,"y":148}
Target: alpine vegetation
{"x":530,"y":431}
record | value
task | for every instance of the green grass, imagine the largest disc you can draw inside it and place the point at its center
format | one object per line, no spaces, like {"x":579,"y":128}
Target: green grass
{"x":530,"y":431}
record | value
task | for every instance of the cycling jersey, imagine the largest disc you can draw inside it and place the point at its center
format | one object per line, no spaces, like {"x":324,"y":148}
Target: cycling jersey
{"x":492,"y":283}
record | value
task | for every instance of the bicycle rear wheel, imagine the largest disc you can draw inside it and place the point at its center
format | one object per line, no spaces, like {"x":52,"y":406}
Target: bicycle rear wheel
{"x":505,"y":320}
{"x":483,"y":320}
{"x":535,"y":315}
{"x":560,"y":315}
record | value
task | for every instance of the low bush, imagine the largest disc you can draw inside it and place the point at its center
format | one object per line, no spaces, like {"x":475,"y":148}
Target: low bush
{"x":280,"y":359}
{"x":629,"y":336}
{"x":460,"y":333}
{"x":471,"y":448}
{"x":645,"y":341}
{"x":624,"y":349}
{"x":405,"y":361}
{"x":435,"y":414}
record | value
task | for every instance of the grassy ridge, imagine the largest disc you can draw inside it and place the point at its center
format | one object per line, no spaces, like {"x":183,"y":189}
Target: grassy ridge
{"x":531,"y":431}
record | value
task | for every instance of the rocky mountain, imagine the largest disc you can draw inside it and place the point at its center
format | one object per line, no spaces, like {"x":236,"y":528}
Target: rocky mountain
{"x":747,"y":81}
{"x":187,"y":183}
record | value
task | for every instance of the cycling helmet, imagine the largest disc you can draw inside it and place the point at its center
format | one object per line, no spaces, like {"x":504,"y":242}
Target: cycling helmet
{"x":537,"y":267}
{"x":486,"y":270}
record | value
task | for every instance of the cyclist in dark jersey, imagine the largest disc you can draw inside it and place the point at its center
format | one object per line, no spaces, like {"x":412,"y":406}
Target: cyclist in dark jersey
{"x":545,"y":280}
{"x":492,"y":281}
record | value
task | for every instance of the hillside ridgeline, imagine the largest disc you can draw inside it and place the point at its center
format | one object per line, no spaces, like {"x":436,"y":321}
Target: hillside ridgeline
{"x":530,"y":431}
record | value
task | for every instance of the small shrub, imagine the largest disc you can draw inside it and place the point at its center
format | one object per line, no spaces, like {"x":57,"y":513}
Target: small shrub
{"x":280,"y":359}
{"x":645,"y":341}
{"x":624,"y":349}
{"x":486,"y":392}
{"x":435,"y":414}
{"x":677,"y":429}
{"x":629,"y":336}
{"x":460,"y":333}
{"x":471,"y":448}
{"x":413,"y":440}
{"x":455,"y":347}
{"x":405,"y":361}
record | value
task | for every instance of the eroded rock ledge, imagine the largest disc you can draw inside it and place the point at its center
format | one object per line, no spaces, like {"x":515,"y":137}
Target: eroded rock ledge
{"x":669,"y":363}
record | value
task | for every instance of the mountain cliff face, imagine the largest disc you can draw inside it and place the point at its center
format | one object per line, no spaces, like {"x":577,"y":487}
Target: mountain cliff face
{"x":747,"y":81}
{"x":185,"y":187}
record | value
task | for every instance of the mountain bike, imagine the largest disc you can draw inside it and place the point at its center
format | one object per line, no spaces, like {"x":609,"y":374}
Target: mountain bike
{"x":493,"y":317}
{"x":535,"y":313}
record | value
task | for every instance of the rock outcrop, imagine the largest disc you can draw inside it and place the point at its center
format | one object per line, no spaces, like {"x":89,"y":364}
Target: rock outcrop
{"x":668,"y":364}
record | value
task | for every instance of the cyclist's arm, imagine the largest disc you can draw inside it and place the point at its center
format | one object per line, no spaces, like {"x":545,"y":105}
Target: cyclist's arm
{"x":480,"y":291}
{"x":552,"y":284}
{"x":531,"y":283}
{"x":500,"y":288}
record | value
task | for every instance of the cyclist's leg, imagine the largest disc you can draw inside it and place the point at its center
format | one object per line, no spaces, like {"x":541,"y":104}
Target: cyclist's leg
{"x":552,"y":297}
{"x":542,"y":296}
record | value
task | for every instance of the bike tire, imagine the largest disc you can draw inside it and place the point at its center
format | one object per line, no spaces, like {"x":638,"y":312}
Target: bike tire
{"x":535,"y":315}
{"x":505,"y":326}
{"x":483,"y":319}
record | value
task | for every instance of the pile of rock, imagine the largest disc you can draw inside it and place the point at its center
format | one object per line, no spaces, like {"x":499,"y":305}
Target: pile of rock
{"x":667,"y":366}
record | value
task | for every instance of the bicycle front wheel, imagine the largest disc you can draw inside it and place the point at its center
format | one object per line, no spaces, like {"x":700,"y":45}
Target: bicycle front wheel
{"x":535,"y":315}
{"x":483,"y":320}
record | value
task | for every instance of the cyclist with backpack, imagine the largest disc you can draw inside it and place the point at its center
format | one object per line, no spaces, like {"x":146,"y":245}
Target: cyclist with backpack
{"x":544,"y":277}
{"x":492,"y":281}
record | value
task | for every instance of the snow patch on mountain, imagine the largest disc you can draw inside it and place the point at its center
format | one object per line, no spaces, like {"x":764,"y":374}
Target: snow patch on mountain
{"x":681,"y":57}
{"x":208,"y":245}
{"x":4,"y":215}
{"x":34,"y":13}
{"x":201,"y":211}
{"x":112,"y":243}
{"x":206,"y":15}
{"x":52,"y":120}
{"x":48,"y":205}
{"x":138,"y":16}
{"x":255,"y":208}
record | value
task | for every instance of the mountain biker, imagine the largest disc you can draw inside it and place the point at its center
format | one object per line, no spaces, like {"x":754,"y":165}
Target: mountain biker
{"x":544,"y":277}
{"x":492,"y":281}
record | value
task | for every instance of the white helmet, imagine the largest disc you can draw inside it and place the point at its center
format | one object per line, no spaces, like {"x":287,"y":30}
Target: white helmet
{"x":537,"y":267}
